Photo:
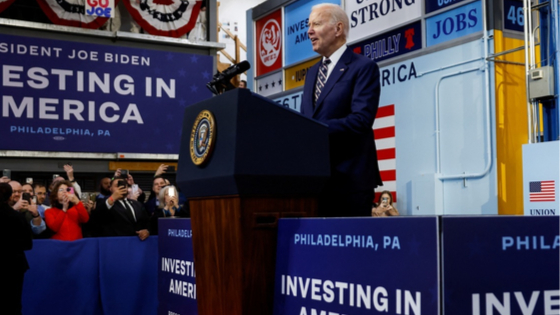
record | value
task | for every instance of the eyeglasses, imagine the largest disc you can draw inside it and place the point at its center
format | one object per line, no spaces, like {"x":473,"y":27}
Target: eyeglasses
{"x":68,"y":189}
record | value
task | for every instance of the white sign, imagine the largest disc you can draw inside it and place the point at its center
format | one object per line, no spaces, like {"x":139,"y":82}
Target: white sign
{"x":269,"y":84}
{"x":541,"y":175}
{"x":370,"y":17}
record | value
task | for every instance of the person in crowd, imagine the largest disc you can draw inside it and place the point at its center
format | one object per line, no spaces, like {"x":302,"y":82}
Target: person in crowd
{"x":15,"y":239}
{"x":41,"y":193}
{"x":69,"y":169}
{"x":130,"y":183}
{"x":169,"y":206}
{"x":342,"y":91}
{"x":384,"y":207}
{"x":242,"y":84}
{"x":153,"y":202}
{"x":119,"y":216}
{"x":29,"y":189}
{"x":28,"y":208}
{"x":104,"y":189}
{"x":66,"y":214}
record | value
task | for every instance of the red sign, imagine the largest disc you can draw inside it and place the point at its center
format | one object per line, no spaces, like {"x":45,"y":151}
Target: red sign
{"x":268,"y":52}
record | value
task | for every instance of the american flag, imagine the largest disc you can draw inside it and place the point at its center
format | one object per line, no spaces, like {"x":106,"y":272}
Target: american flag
{"x":542,"y":191}
{"x":384,"y":132}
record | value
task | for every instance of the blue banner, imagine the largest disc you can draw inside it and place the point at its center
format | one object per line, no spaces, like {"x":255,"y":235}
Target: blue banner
{"x":296,"y":17}
{"x":434,"y":5}
{"x":91,"y":276}
{"x":391,"y":44}
{"x":82,"y":97}
{"x":453,"y":24}
{"x":176,"y":272}
{"x":508,"y":265}
{"x":513,"y":15}
{"x":357,"y":266}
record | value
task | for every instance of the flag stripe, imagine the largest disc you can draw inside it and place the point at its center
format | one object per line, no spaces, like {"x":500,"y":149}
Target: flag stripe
{"x":385,"y":154}
{"x":384,"y":111}
{"x":386,"y":132}
{"x":388,"y":175}
{"x":390,"y":164}
{"x":387,"y":143}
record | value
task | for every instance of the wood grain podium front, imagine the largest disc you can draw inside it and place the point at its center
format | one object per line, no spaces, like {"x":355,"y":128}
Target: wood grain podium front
{"x":259,"y":162}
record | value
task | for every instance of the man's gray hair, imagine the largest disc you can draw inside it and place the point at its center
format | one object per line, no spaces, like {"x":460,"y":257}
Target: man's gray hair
{"x":336,"y":13}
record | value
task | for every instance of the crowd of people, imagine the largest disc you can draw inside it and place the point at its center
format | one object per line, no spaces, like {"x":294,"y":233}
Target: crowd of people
{"x":120,"y":208}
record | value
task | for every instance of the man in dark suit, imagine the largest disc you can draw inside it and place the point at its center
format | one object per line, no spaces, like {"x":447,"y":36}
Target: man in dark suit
{"x":342,"y":91}
{"x":120,"y":216}
{"x":15,"y":238}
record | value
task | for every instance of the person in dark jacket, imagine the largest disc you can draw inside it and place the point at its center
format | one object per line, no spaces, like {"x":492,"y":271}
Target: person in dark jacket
{"x":15,"y":238}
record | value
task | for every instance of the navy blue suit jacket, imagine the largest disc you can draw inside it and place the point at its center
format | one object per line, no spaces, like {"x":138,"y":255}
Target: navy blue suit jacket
{"x":348,"y":104}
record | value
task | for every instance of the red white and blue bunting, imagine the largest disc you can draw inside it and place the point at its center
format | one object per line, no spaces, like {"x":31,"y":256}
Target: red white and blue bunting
{"x":173,"y":18}
{"x":5,"y":4}
{"x":70,"y":13}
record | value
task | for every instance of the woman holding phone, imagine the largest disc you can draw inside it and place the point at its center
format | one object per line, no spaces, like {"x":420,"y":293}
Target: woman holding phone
{"x":385,"y":206}
{"x":168,"y":207}
{"x":67,"y":213}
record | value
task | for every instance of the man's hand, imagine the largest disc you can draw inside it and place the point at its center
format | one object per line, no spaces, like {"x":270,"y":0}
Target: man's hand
{"x":33,"y":209}
{"x":4,"y":179}
{"x":69,"y":169}
{"x":120,"y":193}
{"x":117,"y":173}
{"x":21,"y":205}
{"x":161,"y":169}
{"x":143,"y":234}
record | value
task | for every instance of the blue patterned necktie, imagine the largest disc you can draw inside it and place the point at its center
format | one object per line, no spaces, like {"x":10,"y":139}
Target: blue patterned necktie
{"x":321,"y":79}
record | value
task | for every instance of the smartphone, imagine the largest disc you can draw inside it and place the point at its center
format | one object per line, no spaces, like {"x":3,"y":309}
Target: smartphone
{"x":134,"y":188}
{"x":122,"y":183}
{"x":92,"y":197}
{"x":171,"y":192}
{"x":7,"y":173}
{"x":29,"y":180}
{"x":171,"y":168}
{"x":26,"y":196}
{"x":55,"y":176}
{"x":34,"y":198}
{"x":124,"y":173}
{"x":385,"y":200}
{"x":70,"y":190}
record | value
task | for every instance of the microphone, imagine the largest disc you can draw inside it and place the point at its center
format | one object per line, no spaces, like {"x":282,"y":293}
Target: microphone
{"x":221,"y":82}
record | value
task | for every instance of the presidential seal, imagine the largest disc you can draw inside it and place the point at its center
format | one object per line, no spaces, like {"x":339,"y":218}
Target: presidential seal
{"x":203,"y":134}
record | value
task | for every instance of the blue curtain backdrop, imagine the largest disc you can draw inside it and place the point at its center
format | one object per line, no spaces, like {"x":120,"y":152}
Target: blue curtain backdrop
{"x":95,"y":276}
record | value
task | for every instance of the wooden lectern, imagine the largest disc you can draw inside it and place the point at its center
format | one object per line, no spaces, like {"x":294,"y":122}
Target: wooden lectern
{"x":258,"y":162}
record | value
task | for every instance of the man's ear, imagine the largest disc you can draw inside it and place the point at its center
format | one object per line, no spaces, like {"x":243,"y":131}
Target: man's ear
{"x":339,"y":28}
